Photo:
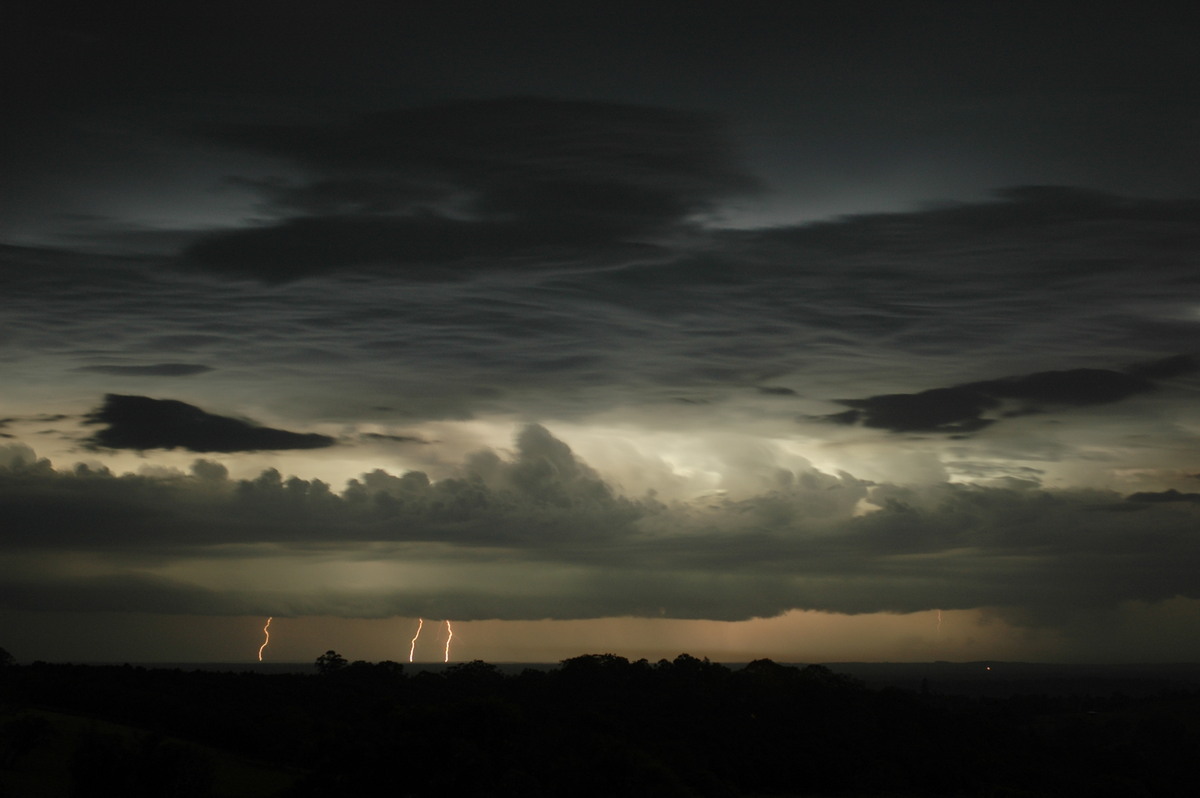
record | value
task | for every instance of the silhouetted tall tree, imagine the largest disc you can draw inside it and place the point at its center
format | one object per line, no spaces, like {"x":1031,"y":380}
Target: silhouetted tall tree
{"x":330,"y":662}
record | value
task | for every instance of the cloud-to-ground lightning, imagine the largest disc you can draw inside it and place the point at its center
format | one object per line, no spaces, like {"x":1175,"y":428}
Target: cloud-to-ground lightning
{"x":939,"y":624}
{"x":413,"y":646}
{"x":267,"y":632}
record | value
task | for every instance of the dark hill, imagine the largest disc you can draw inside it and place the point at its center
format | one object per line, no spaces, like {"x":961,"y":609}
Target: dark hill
{"x":597,"y":725}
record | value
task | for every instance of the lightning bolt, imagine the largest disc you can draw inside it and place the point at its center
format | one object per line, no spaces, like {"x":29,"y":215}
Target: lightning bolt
{"x":413,"y":646}
{"x":939,"y":626}
{"x":449,"y":637}
{"x":268,"y":640}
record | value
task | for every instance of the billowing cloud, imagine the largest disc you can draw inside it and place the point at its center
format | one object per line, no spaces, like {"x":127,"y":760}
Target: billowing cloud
{"x":16,"y":455}
{"x":139,"y":422}
{"x":540,"y":534}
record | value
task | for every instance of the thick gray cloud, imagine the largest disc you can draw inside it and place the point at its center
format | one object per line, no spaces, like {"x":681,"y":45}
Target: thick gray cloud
{"x":128,"y":592}
{"x":544,"y":496}
{"x":557,"y":542}
{"x":139,"y":422}
{"x":1034,"y":282}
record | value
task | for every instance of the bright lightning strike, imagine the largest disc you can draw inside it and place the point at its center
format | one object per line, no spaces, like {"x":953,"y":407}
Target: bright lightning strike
{"x":449,"y":637}
{"x":939,"y":626}
{"x":413,"y":646}
{"x":266,"y":631}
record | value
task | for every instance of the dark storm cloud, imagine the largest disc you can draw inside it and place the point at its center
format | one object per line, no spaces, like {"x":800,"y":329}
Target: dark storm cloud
{"x":379,"y":436}
{"x":952,"y":410}
{"x":119,"y":593}
{"x":443,"y":183}
{"x":157,"y":370}
{"x":960,"y":409}
{"x":544,"y":496}
{"x":560,"y":543}
{"x":705,"y":318}
{"x":518,"y":152}
{"x":421,"y":245}
{"x":944,"y":299}
{"x":139,"y":422}
{"x":331,"y":197}
{"x":1165,"y":369}
{"x":44,"y":418}
{"x":1064,"y":234}
{"x":1165,"y":496}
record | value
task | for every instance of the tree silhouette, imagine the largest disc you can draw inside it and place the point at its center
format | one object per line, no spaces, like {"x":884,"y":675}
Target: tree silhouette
{"x":330,"y":662}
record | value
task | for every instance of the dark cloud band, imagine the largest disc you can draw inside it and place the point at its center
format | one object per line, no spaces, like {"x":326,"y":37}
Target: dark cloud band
{"x":568,"y":547}
{"x":139,"y":422}
{"x":157,"y":370}
{"x":961,"y":408}
{"x":482,"y":179}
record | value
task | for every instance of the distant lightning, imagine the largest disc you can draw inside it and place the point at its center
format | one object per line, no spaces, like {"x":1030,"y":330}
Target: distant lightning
{"x":266,"y":631}
{"x":413,"y":646}
{"x":939,"y":626}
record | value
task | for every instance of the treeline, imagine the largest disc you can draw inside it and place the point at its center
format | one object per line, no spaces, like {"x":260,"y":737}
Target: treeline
{"x":597,"y":725}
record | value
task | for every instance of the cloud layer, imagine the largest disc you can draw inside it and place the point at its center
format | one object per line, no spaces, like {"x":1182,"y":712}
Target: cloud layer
{"x":543,"y":535}
{"x":1036,"y":282}
{"x":1024,"y":309}
{"x":155,"y":370}
{"x":471,"y":182}
{"x":410,"y":232}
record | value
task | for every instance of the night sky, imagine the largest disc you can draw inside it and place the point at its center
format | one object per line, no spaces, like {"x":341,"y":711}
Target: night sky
{"x":812,"y":331}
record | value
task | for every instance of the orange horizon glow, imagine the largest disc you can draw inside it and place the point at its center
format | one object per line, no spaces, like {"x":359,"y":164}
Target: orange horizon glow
{"x":799,"y":636}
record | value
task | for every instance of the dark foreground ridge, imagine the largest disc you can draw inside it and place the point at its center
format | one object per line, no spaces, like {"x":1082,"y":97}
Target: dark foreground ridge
{"x":596,"y":725}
